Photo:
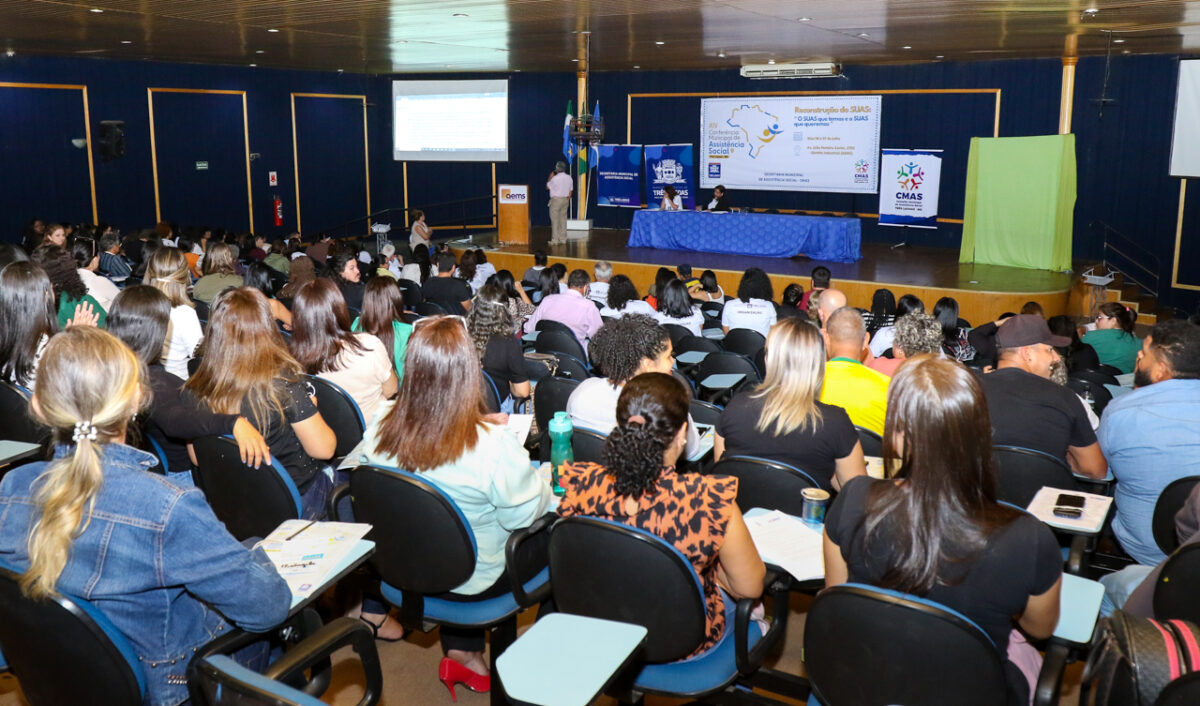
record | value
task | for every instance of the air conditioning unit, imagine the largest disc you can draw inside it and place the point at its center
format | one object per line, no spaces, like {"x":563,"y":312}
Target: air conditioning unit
{"x":791,"y":70}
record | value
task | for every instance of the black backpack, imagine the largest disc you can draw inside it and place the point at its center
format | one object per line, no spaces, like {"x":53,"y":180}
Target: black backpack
{"x":1134,"y":658}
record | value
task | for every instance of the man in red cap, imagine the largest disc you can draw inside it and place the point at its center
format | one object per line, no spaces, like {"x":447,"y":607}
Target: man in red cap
{"x":1028,"y":409}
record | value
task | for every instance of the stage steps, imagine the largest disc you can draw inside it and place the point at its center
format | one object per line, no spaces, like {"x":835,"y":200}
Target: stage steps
{"x":1136,"y":298}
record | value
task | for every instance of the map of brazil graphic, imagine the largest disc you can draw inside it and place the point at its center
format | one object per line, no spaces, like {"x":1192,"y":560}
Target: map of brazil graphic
{"x":791,"y":143}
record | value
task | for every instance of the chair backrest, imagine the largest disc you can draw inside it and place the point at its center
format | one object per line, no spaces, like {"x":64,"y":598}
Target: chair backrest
{"x":655,"y":586}
{"x":921,"y":652}
{"x":712,"y":310}
{"x":569,"y":366}
{"x":341,"y":413}
{"x":1021,"y":473}
{"x":201,"y":309}
{"x":250,"y":501}
{"x":1169,"y":502}
{"x":412,"y":293}
{"x":677,"y":333}
{"x":429,"y":307}
{"x":768,"y":484}
{"x":1096,"y":376}
{"x":403,"y":507}
{"x":697,"y":343}
{"x":1178,"y":585}
{"x":727,"y":362}
{"x":410,"y":317}
{"x":551,"y":396}
{"x":872,"y":443}
{"x":220,"y":681}
{"x":704,"y":412}
{"x":552,"y":325}
{"x":556,"y":341}
{"x":588,"y":445}
{"x":19,"y":424}
{"x":491,"y":393}
{"x":1184,"y":691}
{"x":65,"y":651}
{"x":744,"y":341}
{"x":1109,"y":369}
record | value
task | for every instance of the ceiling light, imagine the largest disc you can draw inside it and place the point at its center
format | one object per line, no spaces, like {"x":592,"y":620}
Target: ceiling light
{"x":721,"y":54}
{"x":10,"y":53}
{"x":803,"y":19}
{"x":460,"y":14}
{"x":1126,"y":51}
{"x":660,"y":43}
{"x":864,"y":35}
{"x":1092,"y":10}
{"x":636,"y":66}
{"x":575,"y":61}
{"x":272,"y":30}
{"x":127,"y":41}
{"x":1118,"y":41}
{"x":96,"y":10}
{"x":253,"y":65}
{"x":259,"y":51}
{"x":770,"y":61}
{"x":940,"y":56}
{"x":906,"y":46}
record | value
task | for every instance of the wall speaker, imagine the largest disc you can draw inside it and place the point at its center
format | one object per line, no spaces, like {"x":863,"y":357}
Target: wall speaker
{"x":112,"y":139}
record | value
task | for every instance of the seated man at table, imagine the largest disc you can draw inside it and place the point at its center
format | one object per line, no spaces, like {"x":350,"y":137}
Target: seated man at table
{"x":849,"y":384}
{"x":718,"y":203}
{"x":1030,"y":410}
{"x":571,"y":308}
{"x":1151,"y":436}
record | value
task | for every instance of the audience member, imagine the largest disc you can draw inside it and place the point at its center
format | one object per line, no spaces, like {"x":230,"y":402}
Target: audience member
{"x":301,"y":273}
{"x":789,"y":306}
{"x":319,"y":250}
{"x":539,"y":264}
{"x":1151,"y":436}
{"x":710,"y":290}
{"x":883,"y":311}
{"x":623,"y":348}
{"x":28,"y":318}
{"x":483,"y":270}
{"x":849,"y":384}
{"x":167,"y":272}
{"x":954,"y":330}
{"x":754,"y":307}
{"x":547,"y":284}
{"x":572,"y":309}
{"x":820,"y":281}
{"x":258,"y":251}
{"x":149,"y":555}
{"x":87,"y":261}
{"x":661,"y":278}
{"x":69,"y":290}
{"x":437,"y":428}
{"x":639,"y":486}
{"x":1077,"y":355}
{"x":782,"y":420}
{"x":500,"y":354}
{"x":193,"y":258}
{"x":881,"y":340}
{"x":54,"y":234}
{"x":916,"y":333}
{"x":425,"y":266}
{"x":830,"y":301}
{"x":1029,"y":410}
{"x":247,"y":370}
{"x":258,"y":275}
{"x":1138,"y":581}
{"x":10,"y":253}
{"x":983,"y":340}
{"x":675,"y":307}
{"x":278,"y":259}
{"x":516,"y":300}
{"x":111,"y":263}
{"x":453,"y":295}
{"x":382,"y":317}
{"x":623,"y":300}
{"x":466,"y":269}
{"x":1113,"y":339}
{"x":325,"y":345}
{"x":343,"y":267}
{"x":936,"y":530}
{"x":219,"y":273}
{"x":1032,"y":307}
{"x":598,"y":292}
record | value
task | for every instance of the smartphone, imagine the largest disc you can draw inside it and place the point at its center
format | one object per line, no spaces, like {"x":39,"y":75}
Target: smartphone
{"x":1069,"y":506}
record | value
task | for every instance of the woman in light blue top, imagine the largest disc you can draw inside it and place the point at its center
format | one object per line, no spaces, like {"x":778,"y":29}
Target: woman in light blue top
{"x":437,"y":427}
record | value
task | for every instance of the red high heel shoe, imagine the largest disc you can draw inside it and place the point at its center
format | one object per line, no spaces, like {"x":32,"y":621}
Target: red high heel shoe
{"x":451,"y":673}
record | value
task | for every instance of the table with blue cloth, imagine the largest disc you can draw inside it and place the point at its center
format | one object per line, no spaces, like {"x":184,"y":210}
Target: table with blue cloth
{"x":764,"y":234}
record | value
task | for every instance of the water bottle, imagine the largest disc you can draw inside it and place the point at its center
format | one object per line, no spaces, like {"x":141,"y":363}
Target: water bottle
{"x":560,"y":447}
{"x":1091,"y":401}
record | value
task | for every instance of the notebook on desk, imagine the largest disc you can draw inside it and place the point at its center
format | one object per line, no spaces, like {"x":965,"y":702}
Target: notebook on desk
{"x":306,"y":554}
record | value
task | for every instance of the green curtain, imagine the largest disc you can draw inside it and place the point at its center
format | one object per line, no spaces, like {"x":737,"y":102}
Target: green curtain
{"x":1020,"y":202}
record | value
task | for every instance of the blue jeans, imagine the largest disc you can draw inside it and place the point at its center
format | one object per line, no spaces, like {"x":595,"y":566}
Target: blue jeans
{"x":1120,"y":584}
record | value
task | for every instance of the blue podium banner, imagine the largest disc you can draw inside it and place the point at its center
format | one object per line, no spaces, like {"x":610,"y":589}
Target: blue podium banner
{"x":764,"y":234}
{"x":619,"y":176}
{"x":670,"y":165}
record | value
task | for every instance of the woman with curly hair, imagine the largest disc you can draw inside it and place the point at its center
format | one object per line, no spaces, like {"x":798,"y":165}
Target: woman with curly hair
{"x":500,"y":353}
{"x":638,"y":486}
{"x":623,"y":300}
{"x":69,"y":290}
{"x":620,"y":350}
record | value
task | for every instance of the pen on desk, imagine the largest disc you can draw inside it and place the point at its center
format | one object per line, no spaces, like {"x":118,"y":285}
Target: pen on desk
{"x":293,"y":534}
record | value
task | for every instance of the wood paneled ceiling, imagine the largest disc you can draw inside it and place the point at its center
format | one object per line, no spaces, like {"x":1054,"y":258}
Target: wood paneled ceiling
{"x":400,"y":36}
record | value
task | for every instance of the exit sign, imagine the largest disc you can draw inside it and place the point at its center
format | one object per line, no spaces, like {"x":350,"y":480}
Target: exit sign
{"x":201,"y":166}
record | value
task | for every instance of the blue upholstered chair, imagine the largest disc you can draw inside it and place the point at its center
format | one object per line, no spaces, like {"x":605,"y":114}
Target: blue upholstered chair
{"x":251,"y":502}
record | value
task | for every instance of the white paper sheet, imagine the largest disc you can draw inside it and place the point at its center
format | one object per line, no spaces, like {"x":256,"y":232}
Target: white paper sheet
{"x":307,"y":559}
{"x":519,"y":425}
{"x":1095,"y":509}
{"x":789,"y":543}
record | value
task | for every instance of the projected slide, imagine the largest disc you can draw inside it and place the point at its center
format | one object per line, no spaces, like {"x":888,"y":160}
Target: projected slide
{"x":797,"y":143}
{"x":1185,"y":144}
{"x":450,"y":121}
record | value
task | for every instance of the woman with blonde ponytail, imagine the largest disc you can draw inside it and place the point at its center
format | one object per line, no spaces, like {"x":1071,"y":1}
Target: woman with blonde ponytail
{"x":93,"y":523}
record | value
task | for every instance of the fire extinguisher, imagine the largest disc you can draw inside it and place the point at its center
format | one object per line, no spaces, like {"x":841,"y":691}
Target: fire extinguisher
{"x":278,"y":211}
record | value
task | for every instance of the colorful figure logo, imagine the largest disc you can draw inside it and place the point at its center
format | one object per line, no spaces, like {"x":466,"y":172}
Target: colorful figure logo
{"x":910,"y":176}
{"x":861,"y":166}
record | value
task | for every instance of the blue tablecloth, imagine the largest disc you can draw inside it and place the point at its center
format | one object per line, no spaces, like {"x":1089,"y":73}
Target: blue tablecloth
{"x":764,"y":234}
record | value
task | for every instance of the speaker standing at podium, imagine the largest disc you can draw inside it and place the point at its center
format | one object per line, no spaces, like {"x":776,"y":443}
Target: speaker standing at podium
{"x":560,"y":187}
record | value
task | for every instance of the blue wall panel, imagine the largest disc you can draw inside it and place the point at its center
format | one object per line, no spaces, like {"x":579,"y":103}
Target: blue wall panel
{"x":332,"y":163}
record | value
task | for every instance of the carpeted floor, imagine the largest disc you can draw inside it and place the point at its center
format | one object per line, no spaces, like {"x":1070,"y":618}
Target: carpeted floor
{"x":410,"y":671}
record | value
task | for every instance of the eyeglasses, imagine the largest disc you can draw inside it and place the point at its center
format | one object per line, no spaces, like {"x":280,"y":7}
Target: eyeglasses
{"x":1101,"y":317}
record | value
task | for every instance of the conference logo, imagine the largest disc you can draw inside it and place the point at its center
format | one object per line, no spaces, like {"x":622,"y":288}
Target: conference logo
{"x":862,"y":171}
{"x":669,"y":171}
{"x":910,"y":177}
{"x":714,"y":170}
{"x":513,"y":196}
{"x":756,"y":124}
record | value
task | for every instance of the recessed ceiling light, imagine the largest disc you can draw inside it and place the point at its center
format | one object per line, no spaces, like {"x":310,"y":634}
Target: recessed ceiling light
{"x":1118,"y":41}
{"x":660,"y":43}
{"x":272,"y":30}
{"x":1092,"y":10}
{"x":1126,"y":51}
{"x":460,"y":14}
{"x":575,"y":61}
{"x":96,"y":10}
{"x":721,"y":54}
{"x":864,"y":35}
{"x":906,"y":46}
{"x":803,"y":19}
{"x":10,"y":53}
{"x":259,"y":51}
{"x":636,"y":66}
{"x":770,"y":61}
{"x":940,"y":56}
{"x":126,"y":41}
{"x":253,"y":65}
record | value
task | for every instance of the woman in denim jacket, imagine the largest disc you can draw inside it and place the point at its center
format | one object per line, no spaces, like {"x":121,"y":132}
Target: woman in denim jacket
{"x":94,"y":523}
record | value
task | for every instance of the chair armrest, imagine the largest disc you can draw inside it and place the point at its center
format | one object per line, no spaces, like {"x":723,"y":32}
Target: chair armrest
{"x":335,"y":497}
{"x":301,"y":625}
{"x":1050,"y":677}
{"x":1075,"y":557}
{"x":511,"y":547}
{"x":749,"y":660}
{"x":323,"y":643}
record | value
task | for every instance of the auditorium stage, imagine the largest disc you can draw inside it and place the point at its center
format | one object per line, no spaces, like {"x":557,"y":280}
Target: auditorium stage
{"x":982,"y":291}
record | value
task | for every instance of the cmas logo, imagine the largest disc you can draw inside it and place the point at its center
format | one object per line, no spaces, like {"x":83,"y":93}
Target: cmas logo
{"x":862,"y":171}
{"x":910,"y":177}
{"x":668,"y":171}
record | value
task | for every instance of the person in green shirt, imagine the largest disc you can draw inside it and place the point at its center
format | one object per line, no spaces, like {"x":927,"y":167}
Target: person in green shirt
{"x":383,"y":306}
{"x":1113,"y":339}
{"x":219,"y":273}
{"x":278,"y":259}
{"x":69,"y":290}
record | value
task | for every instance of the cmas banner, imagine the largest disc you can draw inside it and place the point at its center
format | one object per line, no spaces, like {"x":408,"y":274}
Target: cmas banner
{"x":908,"y":187}
{"x":670,"y":164}
{"x":619,"y":176}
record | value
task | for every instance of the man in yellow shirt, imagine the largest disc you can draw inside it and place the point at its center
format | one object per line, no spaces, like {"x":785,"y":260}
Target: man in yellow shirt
{"x":849,"y":384}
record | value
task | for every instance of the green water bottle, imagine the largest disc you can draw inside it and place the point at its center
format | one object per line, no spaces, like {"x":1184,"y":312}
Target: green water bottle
{"x":560,"y":447}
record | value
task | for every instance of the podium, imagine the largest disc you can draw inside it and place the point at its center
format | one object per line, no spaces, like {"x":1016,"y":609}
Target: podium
{"x":512,"y":213}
